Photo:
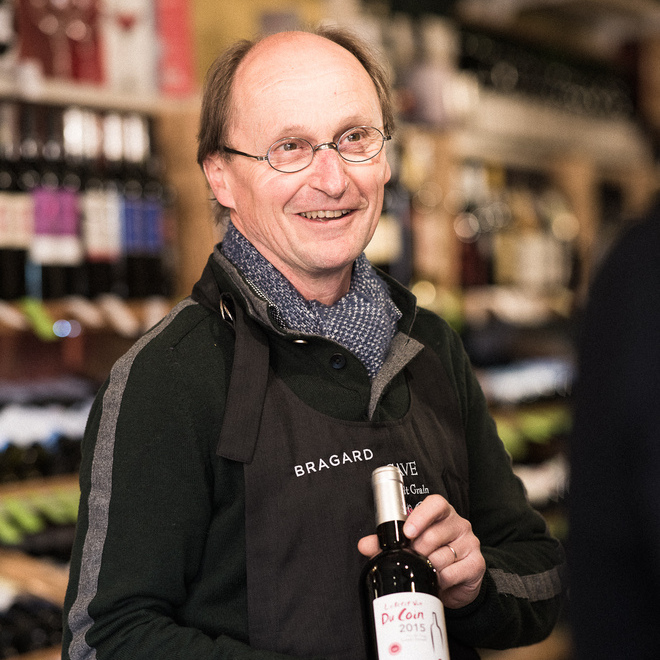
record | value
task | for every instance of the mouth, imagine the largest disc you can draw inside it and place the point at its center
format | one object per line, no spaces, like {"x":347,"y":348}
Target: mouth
{"x":325,"y":215}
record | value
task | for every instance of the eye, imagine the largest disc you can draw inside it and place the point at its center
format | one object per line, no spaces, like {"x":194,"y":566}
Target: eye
{"x":289,"y":145}
{"x":354,"y":135}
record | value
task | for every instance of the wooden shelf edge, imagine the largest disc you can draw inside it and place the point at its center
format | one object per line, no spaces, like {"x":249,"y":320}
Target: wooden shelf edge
{"x":33,"y":576}
{"x":60,"y":92}
{"x":53,"y":653}
{"x":39,"y":486}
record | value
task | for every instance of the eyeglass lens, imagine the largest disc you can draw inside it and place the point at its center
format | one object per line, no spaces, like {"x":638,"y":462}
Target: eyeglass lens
{"x":355,"y":145}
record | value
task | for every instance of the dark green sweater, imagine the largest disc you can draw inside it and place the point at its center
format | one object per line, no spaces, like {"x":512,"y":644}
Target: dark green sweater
{"x":158,"y":568}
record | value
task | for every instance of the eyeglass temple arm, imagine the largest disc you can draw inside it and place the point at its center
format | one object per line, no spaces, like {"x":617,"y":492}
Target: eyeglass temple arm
{"x":229,"y":150}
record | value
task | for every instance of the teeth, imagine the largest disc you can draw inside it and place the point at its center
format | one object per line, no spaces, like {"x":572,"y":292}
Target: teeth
{"x":314,"y":215}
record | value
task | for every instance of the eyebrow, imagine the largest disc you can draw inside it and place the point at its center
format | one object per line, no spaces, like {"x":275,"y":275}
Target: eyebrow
{"x":298,"y":130}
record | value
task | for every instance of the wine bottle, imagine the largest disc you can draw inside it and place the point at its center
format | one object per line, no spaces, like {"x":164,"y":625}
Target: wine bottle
{"x":56,"y":248}
{"x":7,"y":29}
{"x":15,"y":208}
{"x":100,"y":221}
{"x":27,"y":624}
{"x":403,"y":615}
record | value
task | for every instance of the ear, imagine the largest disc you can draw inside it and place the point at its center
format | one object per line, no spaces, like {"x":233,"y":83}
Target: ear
{"x":215,"y":169}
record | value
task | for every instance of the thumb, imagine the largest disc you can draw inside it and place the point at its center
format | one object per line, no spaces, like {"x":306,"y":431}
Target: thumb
{"x":368,"y":545}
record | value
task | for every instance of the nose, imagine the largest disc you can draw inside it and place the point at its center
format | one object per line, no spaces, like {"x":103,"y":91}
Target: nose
{"x":328,"y":171}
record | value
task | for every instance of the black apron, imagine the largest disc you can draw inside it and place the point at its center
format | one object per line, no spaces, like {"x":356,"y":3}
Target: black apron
{"x":308,"y":494}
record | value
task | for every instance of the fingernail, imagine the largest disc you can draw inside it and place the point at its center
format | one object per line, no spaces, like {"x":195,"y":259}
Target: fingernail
{"x":410,"y":530}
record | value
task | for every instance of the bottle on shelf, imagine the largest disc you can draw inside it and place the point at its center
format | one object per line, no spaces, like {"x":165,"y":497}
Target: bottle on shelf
{"x":143,"y":211}
{"x":483,"y":213}
{"x":53,"y":268}
{"x":27,"y":623}
{"x":38,"y":440}
{"x":515,"y":229}
{"x":40,"y":525}
{"x":391,"y":245}
{"x":7,"y":29}
{"x":100,"y":220}
{"x":83,"y":205}
{"x":537,"y":248}
{"x":15,"y":214}
{"x":129,"y":46}
{"x":576,"y":85}
{"x":403,"y":615}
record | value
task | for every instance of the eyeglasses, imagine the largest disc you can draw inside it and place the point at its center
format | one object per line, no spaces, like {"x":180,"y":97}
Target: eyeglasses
{"x":292,"y":154}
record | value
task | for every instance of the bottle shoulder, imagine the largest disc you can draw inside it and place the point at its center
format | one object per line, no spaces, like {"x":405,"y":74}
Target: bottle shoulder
{"x":398,"y":559}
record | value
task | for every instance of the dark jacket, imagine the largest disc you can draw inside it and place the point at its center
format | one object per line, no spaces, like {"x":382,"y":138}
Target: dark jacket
{"x":158,"y":568}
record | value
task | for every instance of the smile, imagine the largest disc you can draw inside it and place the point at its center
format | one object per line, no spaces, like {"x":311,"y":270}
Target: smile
{"x":323,"y":215}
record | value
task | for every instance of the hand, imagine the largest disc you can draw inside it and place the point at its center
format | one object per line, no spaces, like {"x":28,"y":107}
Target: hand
{"x":432,"y":527}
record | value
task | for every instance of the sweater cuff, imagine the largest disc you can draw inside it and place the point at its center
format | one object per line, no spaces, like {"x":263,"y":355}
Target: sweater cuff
{"x":462,"y":612}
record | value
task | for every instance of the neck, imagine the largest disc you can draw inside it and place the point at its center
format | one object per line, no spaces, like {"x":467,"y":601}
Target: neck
{"x":324,"y":285}
{"x":390,"y":535}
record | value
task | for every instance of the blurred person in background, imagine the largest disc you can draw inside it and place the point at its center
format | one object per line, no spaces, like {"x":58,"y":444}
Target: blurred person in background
{"x":614,"y":541}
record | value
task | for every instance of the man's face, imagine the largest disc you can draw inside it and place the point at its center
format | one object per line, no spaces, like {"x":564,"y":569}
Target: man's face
{"x":300,"y":85}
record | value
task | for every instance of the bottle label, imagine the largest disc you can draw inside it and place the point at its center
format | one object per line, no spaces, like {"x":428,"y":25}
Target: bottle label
{"x":56,"y":240}
{"x":102,"y":225}
{"x":410,"y":626}
{"x":16,"y":220}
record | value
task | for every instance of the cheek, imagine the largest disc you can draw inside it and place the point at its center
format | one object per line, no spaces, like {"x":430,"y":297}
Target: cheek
{"x":261,"y":209}
{"x":378,"y":178}
{"x":258,"y":192}
{"x":377,"y":186}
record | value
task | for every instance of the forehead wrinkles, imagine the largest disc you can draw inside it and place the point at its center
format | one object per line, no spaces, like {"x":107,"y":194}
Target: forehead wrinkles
{"x":297,"y":75}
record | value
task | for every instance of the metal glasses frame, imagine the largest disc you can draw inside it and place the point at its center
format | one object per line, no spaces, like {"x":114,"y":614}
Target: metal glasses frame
{"x":314,"y":148}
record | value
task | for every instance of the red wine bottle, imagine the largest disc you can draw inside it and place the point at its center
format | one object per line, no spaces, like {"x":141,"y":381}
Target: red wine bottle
{"x":403,"y":615}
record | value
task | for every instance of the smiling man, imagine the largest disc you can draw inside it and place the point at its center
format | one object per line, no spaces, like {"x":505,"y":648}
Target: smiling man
{"x":226,"y":506}
{"x":313,"y":223}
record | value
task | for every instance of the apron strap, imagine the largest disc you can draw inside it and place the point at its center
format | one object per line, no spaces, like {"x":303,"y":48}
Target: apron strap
{"x":247,"y":388}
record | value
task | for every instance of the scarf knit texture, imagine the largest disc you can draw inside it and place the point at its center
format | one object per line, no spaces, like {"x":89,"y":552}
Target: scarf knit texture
{"x":364,"y":321}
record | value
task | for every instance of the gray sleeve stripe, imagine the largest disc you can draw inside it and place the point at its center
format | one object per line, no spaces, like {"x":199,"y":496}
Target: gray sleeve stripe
{"x":79,"y":620}
{"x":540,"y":586}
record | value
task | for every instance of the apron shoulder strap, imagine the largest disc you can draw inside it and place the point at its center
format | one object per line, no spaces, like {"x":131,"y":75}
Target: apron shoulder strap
{"x":247,"y":387}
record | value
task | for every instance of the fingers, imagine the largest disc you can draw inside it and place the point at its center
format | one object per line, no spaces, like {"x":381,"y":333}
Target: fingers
{"x":433,"y":524}
{"x":439,"y":533}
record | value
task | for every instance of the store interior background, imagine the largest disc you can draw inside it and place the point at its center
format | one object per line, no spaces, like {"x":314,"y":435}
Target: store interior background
{"x":526,"y":145}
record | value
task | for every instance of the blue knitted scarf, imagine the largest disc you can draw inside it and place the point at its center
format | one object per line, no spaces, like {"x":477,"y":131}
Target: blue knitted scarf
{"x":364,"y":321}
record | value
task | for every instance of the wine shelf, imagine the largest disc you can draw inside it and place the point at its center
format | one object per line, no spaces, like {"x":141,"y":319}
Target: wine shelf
{"x":94,"y":315}
{"x":527,"y":133}
{"x":577,"y":152}
{"x":50,"y":91}
{"x":90,"y":352}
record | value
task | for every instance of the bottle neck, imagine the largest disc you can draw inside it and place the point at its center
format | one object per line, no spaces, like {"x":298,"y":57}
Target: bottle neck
{"x":390,"y":535}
